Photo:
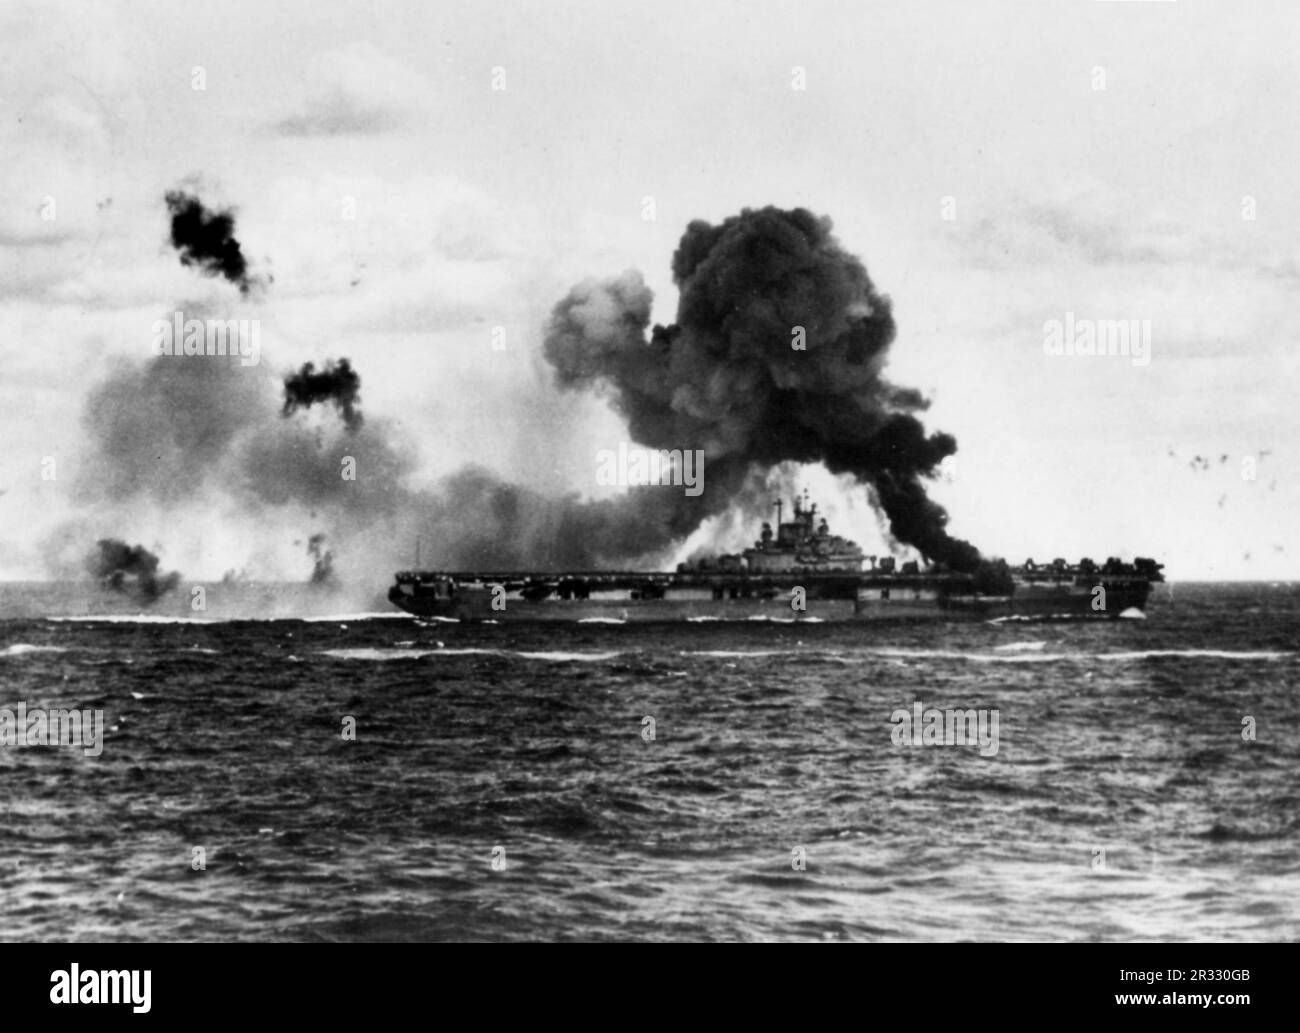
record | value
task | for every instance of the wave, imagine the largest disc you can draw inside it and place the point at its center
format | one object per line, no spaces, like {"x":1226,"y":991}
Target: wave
{"x":760,"y":617}
{"x":1025,"y":655}
{"x":388,"y":653}
{"x":1011,"y":653}
{"x":1216,"y":654}
{"x":373,"y":653}
{"x":146,"y":618}
{"x":24,"y":648}
{"x":381,"y":616}
{"x":564,"y":657}
{"x":1028,"y":653}
{"x":136,"y":618}
{"x":735,"y":654}
{"x":1045,"y":618}
{"x":1020,"y":647}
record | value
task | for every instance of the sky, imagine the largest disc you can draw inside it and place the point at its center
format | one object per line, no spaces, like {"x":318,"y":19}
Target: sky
{"x":406,"y":179}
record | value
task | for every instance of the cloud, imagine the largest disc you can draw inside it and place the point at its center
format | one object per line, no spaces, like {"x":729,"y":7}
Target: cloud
{"x":356,"y":91}
{"x":1102,"y":228}
{"x":1091,"y":229}
{"x":360,"y":254}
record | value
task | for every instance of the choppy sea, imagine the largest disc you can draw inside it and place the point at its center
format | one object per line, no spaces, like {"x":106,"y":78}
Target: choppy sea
{"x":504,"y":782}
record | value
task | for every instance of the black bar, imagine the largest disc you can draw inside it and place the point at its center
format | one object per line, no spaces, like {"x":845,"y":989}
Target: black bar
{"x":366,"y":982}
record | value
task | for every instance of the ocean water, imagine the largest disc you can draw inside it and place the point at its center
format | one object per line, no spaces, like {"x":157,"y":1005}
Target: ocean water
{"x":503,"y":783}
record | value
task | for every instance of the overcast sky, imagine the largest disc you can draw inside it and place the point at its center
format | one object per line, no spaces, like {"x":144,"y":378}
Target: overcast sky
{"x":1094,"y":158}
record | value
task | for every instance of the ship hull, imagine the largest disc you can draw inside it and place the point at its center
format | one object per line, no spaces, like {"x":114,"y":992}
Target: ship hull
{"x":898,"y":602}
{"x":799,"y":573}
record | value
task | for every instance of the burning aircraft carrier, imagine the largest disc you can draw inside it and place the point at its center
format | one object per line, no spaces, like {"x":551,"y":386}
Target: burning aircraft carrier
{"x":777,"y":357}
{"x":800,"y":570}
{"x":776,"y":360}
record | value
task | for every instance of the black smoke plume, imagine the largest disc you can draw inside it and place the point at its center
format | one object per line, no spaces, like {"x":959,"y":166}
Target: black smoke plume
{"x":730,"y":378}
{"x":207,"y":442}
{"x":129,"y":569}
{"x":322,"y":571}
{"x":336,"y":382}
{"x":206,"y":239}
{"x":203,"y":446}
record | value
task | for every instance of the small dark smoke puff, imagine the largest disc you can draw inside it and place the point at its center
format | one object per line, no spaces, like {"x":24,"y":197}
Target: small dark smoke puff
{"x":336,"y":382}
{"x":206,"y":241}
{"x":129,"y":569}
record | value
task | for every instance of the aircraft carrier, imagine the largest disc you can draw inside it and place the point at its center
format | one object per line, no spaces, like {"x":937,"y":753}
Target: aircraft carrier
{"x":799,"y":571}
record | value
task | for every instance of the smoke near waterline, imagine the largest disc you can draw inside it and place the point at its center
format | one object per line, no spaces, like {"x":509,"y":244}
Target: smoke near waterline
{"x":322,"y":572}
{"x":129,"y":569}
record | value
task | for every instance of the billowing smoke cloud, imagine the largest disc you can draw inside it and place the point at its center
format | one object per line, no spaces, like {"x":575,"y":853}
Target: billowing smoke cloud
{"x":194,"y":448}
{"x":206,"y":240}
{"x":336,"y":382}
{"x":129,"y":569}
{"x":162,"y":428}
{"x":200,"y":429}
{"x":219,"y":448}
{"x":777,"y":355}
{"x":474,"y":519}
